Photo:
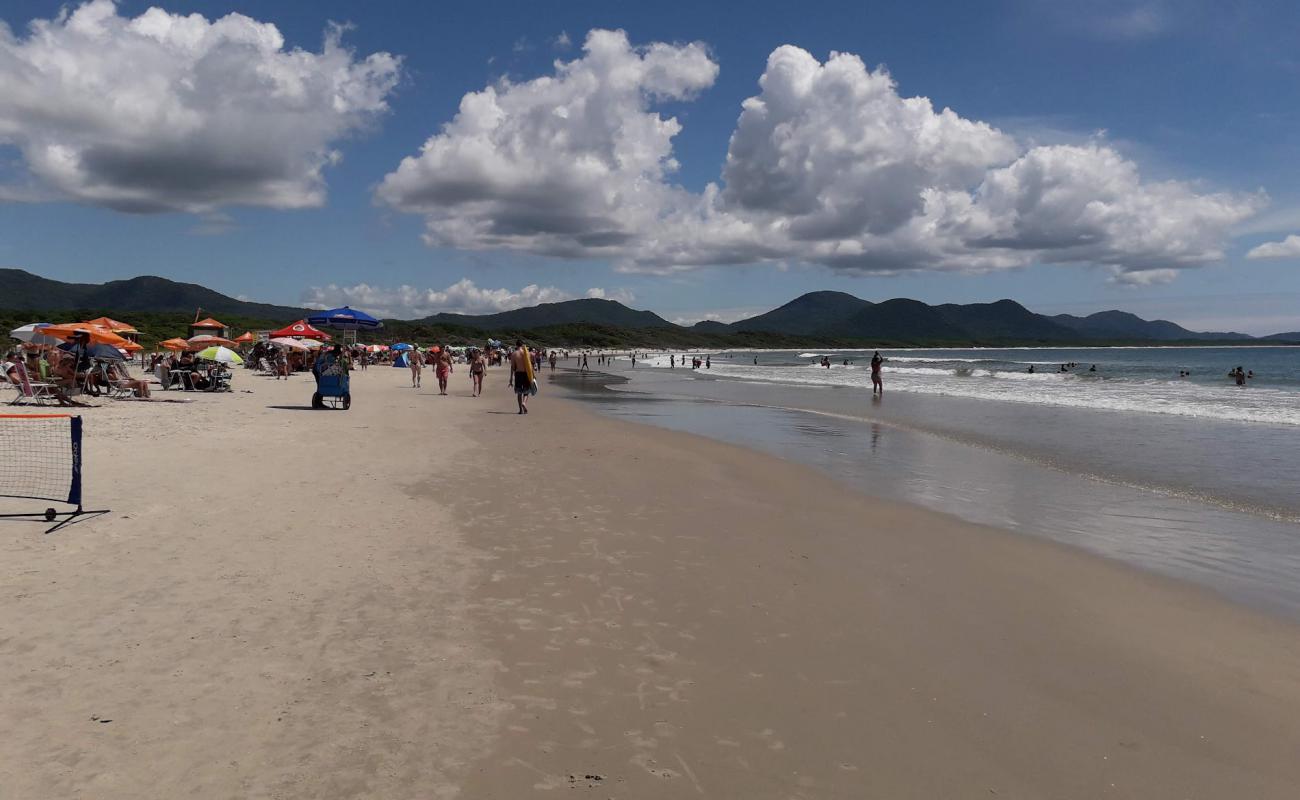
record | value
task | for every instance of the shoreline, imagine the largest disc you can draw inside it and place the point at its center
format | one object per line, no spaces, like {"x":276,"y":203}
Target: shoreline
{"x":1225,"y":536}
{"x":487,"y":605}
{"x":780,"y":647}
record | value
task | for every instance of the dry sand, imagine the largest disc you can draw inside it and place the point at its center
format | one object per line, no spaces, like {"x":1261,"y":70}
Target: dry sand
{"x":430,"y":597}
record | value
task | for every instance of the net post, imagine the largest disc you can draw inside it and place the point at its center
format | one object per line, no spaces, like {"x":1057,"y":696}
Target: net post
{"x":74,"y":488}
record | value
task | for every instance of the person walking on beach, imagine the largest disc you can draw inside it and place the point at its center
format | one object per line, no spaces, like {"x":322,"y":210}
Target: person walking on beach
{"x":877,"y":385}
{"x":442,"y":368}
{"x":553,"y":360}
{"x":415,"y":360}
{"x":584,"y":362}
{"x":477,"y":366}
{"x":521,"y":368}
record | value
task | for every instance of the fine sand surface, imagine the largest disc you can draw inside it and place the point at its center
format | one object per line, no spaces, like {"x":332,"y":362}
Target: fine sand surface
{"x":432,"y":597}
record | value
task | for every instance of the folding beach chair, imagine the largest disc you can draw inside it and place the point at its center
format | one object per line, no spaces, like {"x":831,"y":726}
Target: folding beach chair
{"x":29,"y":392}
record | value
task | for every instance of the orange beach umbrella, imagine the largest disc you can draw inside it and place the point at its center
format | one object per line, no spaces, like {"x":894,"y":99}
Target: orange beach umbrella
{"x":174,"y":344}
{"x":112,"y":325}
{"x":98,"y":335}
{"x":246,"y":336}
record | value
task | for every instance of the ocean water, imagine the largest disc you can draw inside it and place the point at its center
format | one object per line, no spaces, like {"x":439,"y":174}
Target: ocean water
{"x":1142,"y":380}
{"x":1190,"y":477}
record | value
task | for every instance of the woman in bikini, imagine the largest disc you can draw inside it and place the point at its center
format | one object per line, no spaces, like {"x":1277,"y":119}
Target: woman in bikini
{"x":442,"y":368}
{"x":477,"y":366}
{"x":416,"y":360}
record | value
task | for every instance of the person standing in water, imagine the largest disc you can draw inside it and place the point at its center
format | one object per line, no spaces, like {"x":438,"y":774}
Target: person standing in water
{"x":877,"y":385}
{"x":521,"y":368}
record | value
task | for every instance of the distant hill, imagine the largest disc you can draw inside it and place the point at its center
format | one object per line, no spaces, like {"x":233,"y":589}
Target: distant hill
{"x":815,"y":319}
{"x":815,"y":312}
{"x":588,"y":311}
{"x":23,"y":290}
{"x":1122,"y":325}
{"x":839,"y":315}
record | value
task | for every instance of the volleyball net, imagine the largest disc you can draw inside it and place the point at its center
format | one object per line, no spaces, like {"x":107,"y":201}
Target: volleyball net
{"x":40,"y":459}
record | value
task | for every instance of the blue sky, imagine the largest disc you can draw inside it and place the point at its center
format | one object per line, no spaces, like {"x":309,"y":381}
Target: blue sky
{"x":1198,"y":100}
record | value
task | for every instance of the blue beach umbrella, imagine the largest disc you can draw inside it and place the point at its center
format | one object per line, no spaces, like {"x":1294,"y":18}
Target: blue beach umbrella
{"x":400,"y":347}
{"x":344,"y":319}
{"x":101,"y":351}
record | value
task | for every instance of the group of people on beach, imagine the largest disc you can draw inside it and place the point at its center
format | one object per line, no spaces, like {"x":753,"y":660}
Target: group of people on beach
{"x":60,"y":372}
{"x":440,"y":360}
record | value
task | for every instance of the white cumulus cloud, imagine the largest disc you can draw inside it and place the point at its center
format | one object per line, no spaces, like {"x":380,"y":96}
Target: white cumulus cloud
{"x":572,"y":164}
{"x":828,"y":164}
{"x":166,"y":112}
{"x":1287,"y":248}
{"x":462,"y":297}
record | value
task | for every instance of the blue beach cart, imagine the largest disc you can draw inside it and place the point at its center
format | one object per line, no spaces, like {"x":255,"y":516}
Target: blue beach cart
{"x":333,"y":387}
{"x":332,"y":384}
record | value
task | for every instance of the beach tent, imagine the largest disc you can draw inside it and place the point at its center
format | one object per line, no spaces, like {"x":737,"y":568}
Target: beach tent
{"x":344,"y":319}
{"x":300,"y":329}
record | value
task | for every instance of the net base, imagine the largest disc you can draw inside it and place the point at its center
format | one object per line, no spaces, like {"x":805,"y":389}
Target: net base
{"x":51,"y":515}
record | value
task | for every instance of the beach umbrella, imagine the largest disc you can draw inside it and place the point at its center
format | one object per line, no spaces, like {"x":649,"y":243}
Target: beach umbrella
{"x":65,"y":331}
{"x":312,"y":344}
{"x":107,"y":352}
{"x":301,"y":329}
{"x":344,"y":319}
{"x":400,"y":346}
{"x":223,"y":355}
{"x":111,"y":325}
{"x":207,"y":340}
{"x":31,"y":334}
{"x":246,"y":337}
{"x":292,"y":344}
{"x":175,"y":344}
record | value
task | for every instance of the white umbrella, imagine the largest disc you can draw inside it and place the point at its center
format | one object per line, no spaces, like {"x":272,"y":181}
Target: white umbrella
{"x":311,"y":344}
{"x":292,"y":344}
{"x":32,"y":334}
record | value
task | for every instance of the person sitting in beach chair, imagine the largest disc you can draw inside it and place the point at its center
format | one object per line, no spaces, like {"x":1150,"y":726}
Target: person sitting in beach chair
{"x":32,"y":391}
{"x":120,"y":380}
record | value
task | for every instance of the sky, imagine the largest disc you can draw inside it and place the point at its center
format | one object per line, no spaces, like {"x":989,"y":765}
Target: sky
{"x":701,"y":160}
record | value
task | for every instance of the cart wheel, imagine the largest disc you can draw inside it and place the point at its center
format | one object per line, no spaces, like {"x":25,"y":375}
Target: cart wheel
{"x":347,"y":401}
{"x":316,"y":401}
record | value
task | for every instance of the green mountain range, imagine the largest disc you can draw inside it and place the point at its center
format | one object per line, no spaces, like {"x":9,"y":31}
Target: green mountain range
{"x":162,"y":308}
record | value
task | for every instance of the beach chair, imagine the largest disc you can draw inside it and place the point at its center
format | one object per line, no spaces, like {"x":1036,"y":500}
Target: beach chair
{"x":31,"y":392}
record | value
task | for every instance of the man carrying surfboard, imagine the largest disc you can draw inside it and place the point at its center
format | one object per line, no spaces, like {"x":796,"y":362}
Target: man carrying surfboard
{"x":521,"y":367}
